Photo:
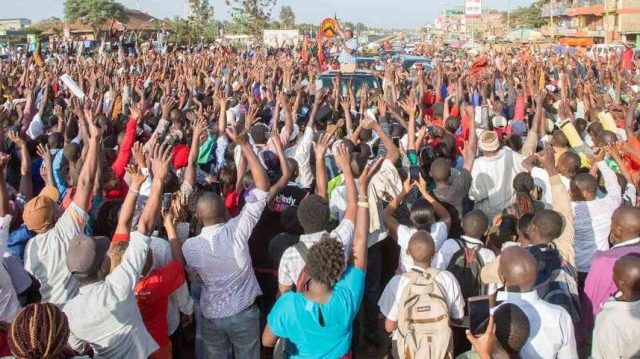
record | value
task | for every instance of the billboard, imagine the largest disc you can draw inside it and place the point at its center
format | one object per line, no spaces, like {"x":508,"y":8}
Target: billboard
{"x":277,"y":38}
{"x":473,"y":8}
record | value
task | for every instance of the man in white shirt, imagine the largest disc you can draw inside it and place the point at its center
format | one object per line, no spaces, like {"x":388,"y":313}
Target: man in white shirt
{"x":220,"y":257}
{"x":421,"y":248}
{"x":114,"y":327}
{"x":592,"y":215}
{"x":493,"y":173}
{"x":45,"y":254}
{"x":552,"y":333}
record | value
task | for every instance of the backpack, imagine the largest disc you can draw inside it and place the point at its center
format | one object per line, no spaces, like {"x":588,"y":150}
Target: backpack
{"x":423,"y":318}
{"x":466,"y":265}
{"x":557,"y":280}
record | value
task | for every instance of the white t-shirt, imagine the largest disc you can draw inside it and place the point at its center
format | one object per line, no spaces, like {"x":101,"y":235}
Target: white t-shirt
{"x":389,"y":302}
{"x":438,"y":232}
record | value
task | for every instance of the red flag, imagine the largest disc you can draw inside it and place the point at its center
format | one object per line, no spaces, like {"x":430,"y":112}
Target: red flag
{"x":321,"y":58}
{"x":305,"y":49}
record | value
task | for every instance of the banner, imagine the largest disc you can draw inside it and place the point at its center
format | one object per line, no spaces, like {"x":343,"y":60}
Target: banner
{"x":473,"y":8}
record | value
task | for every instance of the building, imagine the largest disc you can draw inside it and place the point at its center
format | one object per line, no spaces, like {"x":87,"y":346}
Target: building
{"x":586,"y":22}
{"x":450,"y":25}
{"x":14,"y":24}
{"x":140,"y":24}
{"x":453,"y":24}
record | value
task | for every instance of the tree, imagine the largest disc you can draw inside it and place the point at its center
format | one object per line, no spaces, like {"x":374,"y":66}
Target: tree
{"x":527,"y":16}
{"x":200,"y":17}
{"x":252,"y":16}
{"x":287,"y":17}
{"x":94,"y":13}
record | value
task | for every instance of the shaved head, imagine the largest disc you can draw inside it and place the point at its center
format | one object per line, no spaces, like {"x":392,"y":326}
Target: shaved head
{"x":475,"y":224}
{"x":626,"y":275}
{"x":518,"y":269}
{"x":210,"y":209}
{"x":440,"y":169}
{"x":421,"y":247}
{"x":584,"y":187}
{"x":625,"y":224}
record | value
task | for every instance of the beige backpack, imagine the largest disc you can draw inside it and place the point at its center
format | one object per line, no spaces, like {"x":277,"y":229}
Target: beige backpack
{"x":423,"y":318}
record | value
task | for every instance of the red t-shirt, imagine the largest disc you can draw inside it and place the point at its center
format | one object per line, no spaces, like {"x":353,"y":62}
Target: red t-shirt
{"x":232,"y":202}
{"x":152,"y":296}
{"x":627,"y":59}
{"x":630,"y":162}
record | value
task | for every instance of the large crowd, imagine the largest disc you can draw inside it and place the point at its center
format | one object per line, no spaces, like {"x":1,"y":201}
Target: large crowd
{"x":223,"y":202}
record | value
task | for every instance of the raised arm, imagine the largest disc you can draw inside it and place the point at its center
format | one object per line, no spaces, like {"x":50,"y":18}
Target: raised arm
{"x":26,"y":186}
{"x":84,"y":188}
{"x":389,"y":212}
{"x":343,"y":160}
{"x":321,"y":147}
{"x":242,"y":139}
{"x":47,"y":158}
{"x":199,"y":128}
{"x":282,"y":182}
{"x":561,"y":203}
{"x":129,"y":205}
{"x":392,"y":151}
{"x":441,"y":213}
{"x":362,"y":220}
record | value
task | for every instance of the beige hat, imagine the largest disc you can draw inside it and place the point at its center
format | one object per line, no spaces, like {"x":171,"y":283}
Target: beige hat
{"x":488,"y":141}
{"x":40,"y":212}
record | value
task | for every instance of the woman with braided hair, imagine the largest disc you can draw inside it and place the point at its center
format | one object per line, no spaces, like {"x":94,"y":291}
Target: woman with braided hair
{"x":40,"y":331}
{"x":523,"y":186}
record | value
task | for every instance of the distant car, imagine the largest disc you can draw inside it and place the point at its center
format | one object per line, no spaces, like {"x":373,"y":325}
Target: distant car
{"x":425,"y":65}
{"x":357,"y":79}
{"x":407,"y":61}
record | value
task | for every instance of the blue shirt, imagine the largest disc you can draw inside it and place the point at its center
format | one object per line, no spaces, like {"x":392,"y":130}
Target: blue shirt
{"x":296,"y":318}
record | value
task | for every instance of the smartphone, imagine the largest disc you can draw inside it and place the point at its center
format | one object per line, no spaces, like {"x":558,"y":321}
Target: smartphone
{"x":414,"y":173}
{"x":166,"y":202}
{"x":479,"y":312}
{"x":396,"y":141}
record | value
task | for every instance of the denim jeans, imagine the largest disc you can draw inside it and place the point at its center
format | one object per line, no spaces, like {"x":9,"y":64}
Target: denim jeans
{"x":239,"y":333}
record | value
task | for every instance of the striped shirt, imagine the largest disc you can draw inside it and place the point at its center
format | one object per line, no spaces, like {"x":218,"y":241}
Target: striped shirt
{"x":220,"y":256}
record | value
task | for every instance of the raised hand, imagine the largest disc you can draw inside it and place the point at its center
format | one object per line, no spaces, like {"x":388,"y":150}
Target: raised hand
{"x":137,"y":177}
{"x":322,"y":145}
{"x":161,"y":154}
{"x":45,"y":154}
{"x":240,"y":138}
{"x":343,"y":158}
{"x":368,"y":172}
{"x":15,"y":137}
{"x":4,"y":160}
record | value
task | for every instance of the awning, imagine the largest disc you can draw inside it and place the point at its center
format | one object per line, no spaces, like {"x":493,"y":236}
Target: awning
{"x":576,"y":41}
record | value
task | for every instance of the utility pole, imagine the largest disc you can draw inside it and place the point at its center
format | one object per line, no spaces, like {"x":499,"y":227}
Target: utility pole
{"x":508,"y":16}
{"x":606,"y":21}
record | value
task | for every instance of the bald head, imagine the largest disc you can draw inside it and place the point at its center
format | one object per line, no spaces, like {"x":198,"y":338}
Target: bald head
{"x":440,"y":169}
{"x":625,"y":224}
{"x":475,"y":224}
{"x":210,"y":209}
{"x":518,"y":269}
{"x":421,"y":248}
{"x":626,"y":275}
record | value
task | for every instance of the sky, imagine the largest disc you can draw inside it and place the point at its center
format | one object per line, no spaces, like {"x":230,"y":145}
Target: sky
{"x":378,"y":13}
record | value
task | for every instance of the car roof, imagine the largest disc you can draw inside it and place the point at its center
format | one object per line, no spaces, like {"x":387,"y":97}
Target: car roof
{"x":355,"y":73}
